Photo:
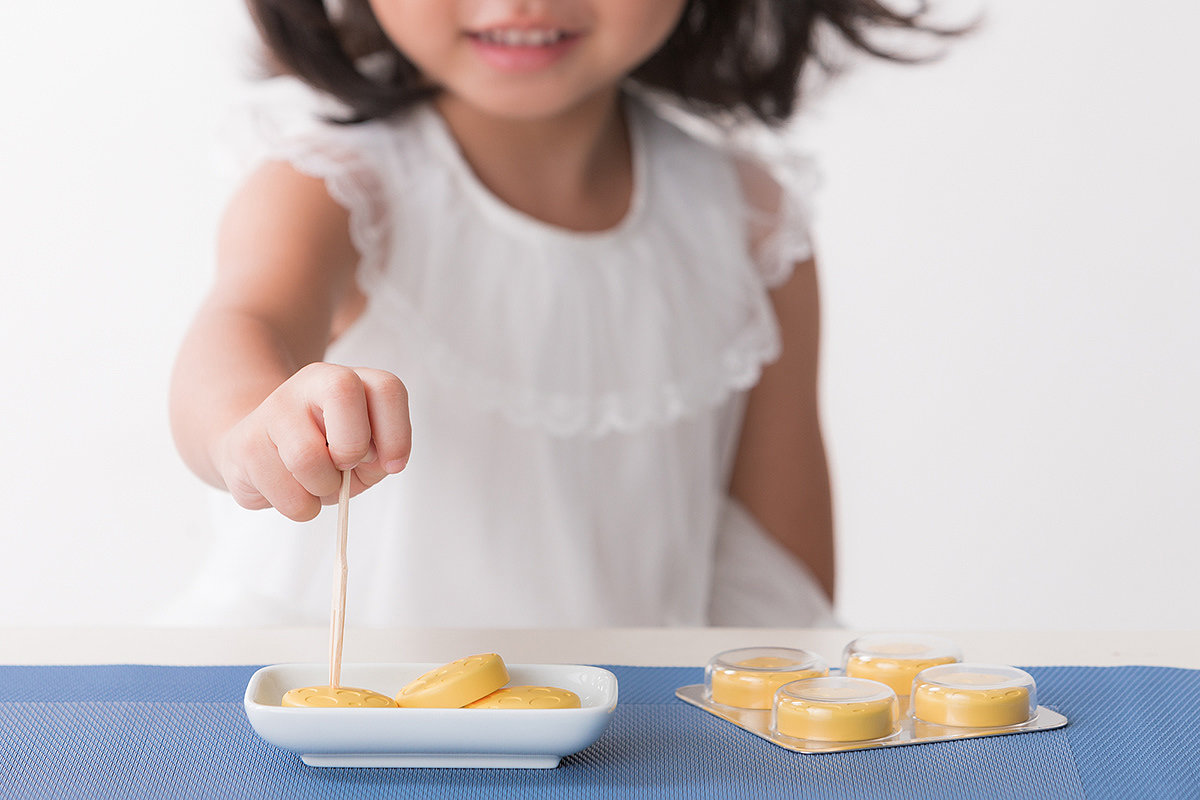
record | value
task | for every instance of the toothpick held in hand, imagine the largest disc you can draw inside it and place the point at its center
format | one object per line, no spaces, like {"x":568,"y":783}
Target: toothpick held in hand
{"x":337,"y":620}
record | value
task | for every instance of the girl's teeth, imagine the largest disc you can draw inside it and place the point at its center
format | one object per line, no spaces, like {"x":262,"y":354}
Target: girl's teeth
{"x":517,"y":37}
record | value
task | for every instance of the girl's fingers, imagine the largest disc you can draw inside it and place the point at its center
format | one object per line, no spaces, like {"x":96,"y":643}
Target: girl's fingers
{"x":339,"y":397}
{"x":301,"y":447}
{"x":272,"y":480}
{"x":245,"y":494}
{"x":357,"y":484}
{"x":387,"y":408}
{"x":236,"y":453}
{"x":326,"y":418}
{"x":391,"y":431}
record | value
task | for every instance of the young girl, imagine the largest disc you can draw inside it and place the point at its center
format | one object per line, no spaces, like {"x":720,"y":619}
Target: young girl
{"x":479,"y":216}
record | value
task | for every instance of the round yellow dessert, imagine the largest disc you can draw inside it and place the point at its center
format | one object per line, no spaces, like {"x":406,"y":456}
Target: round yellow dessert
{"x":895,"y":659}
{"x":898,"y":673}
{"x":974,"y":696}
{"x":455,"y":684}
{"x":518,"y":697}
{"x":336,"y":697}
{"x":836,"y":710}
{"x":749,"y":678}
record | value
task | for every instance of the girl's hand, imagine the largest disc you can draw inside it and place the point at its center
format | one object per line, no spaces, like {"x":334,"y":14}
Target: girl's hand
{"x":289,"y":452}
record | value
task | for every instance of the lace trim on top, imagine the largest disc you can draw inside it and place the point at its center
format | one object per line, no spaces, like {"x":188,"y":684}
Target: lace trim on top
{"x":778,"y":214}
{"x":282,"y":119}
{"x":777,"y":181}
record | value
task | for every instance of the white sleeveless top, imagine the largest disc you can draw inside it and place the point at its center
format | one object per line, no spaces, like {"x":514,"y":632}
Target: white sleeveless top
{"x":575,"y":398}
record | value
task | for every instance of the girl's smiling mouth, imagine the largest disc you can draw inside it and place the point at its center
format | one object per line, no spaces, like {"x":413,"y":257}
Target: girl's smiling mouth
{"x":522,"y":48}
{"x":521,"y":37}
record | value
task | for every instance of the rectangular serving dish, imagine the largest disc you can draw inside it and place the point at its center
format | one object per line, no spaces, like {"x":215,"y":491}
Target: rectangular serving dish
{"x":912,"y":731}
{"x":429,"y":737}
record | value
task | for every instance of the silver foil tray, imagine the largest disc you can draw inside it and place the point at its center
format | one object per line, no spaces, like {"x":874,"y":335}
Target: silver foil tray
{"x":912,"y":731}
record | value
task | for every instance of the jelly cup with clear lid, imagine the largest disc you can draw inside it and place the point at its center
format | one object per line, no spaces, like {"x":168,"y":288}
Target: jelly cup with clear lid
{"x":750,"y":676}
{"x":970,"y":695}
{"x":896,"y":658}
{"x":836,"y":709}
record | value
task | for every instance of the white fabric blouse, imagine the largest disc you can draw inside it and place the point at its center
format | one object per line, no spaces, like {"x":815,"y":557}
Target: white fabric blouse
{"x":576,"y":398}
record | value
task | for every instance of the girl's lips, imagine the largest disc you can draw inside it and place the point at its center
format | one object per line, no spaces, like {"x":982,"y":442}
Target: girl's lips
{"x":522,"y":49}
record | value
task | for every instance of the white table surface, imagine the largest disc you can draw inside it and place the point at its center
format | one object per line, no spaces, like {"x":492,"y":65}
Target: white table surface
{"x":635,"y":646}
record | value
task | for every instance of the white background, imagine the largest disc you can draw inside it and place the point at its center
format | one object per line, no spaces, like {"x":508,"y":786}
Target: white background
{"x":1009,"y":255}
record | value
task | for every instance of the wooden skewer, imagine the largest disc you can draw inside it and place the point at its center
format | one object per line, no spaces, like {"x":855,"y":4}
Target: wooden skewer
{"x":337,"y":617}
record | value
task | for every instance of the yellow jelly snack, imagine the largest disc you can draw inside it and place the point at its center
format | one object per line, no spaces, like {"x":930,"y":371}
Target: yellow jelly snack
{"x":754,"y":687}
{"x":896,"y":658}
{"x":336,"y":697}
{"x":831,"y":714}
{"x":971,"y":708}
{"x":455,"y":684}
{"x":897,"y":673}
{"x":528,"y":697}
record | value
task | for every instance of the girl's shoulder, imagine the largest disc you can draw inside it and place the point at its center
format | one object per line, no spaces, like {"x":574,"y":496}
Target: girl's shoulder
{"x":768,"y":180}
{"x":368,"y":167}
{"x":282,"y":118}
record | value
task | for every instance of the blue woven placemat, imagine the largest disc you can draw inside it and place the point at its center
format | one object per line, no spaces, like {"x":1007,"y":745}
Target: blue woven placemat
{"x":142,"y":731}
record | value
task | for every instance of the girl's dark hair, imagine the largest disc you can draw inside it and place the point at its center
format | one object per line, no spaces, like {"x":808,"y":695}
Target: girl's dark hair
{"x":724,"y":56}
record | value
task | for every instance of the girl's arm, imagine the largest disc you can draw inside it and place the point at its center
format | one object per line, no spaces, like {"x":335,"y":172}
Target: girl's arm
{"x":780,"y":474}
{"x":252,"y":408}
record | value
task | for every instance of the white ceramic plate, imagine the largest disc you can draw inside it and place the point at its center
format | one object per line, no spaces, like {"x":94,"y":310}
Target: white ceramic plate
{"x":429,"y":737}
